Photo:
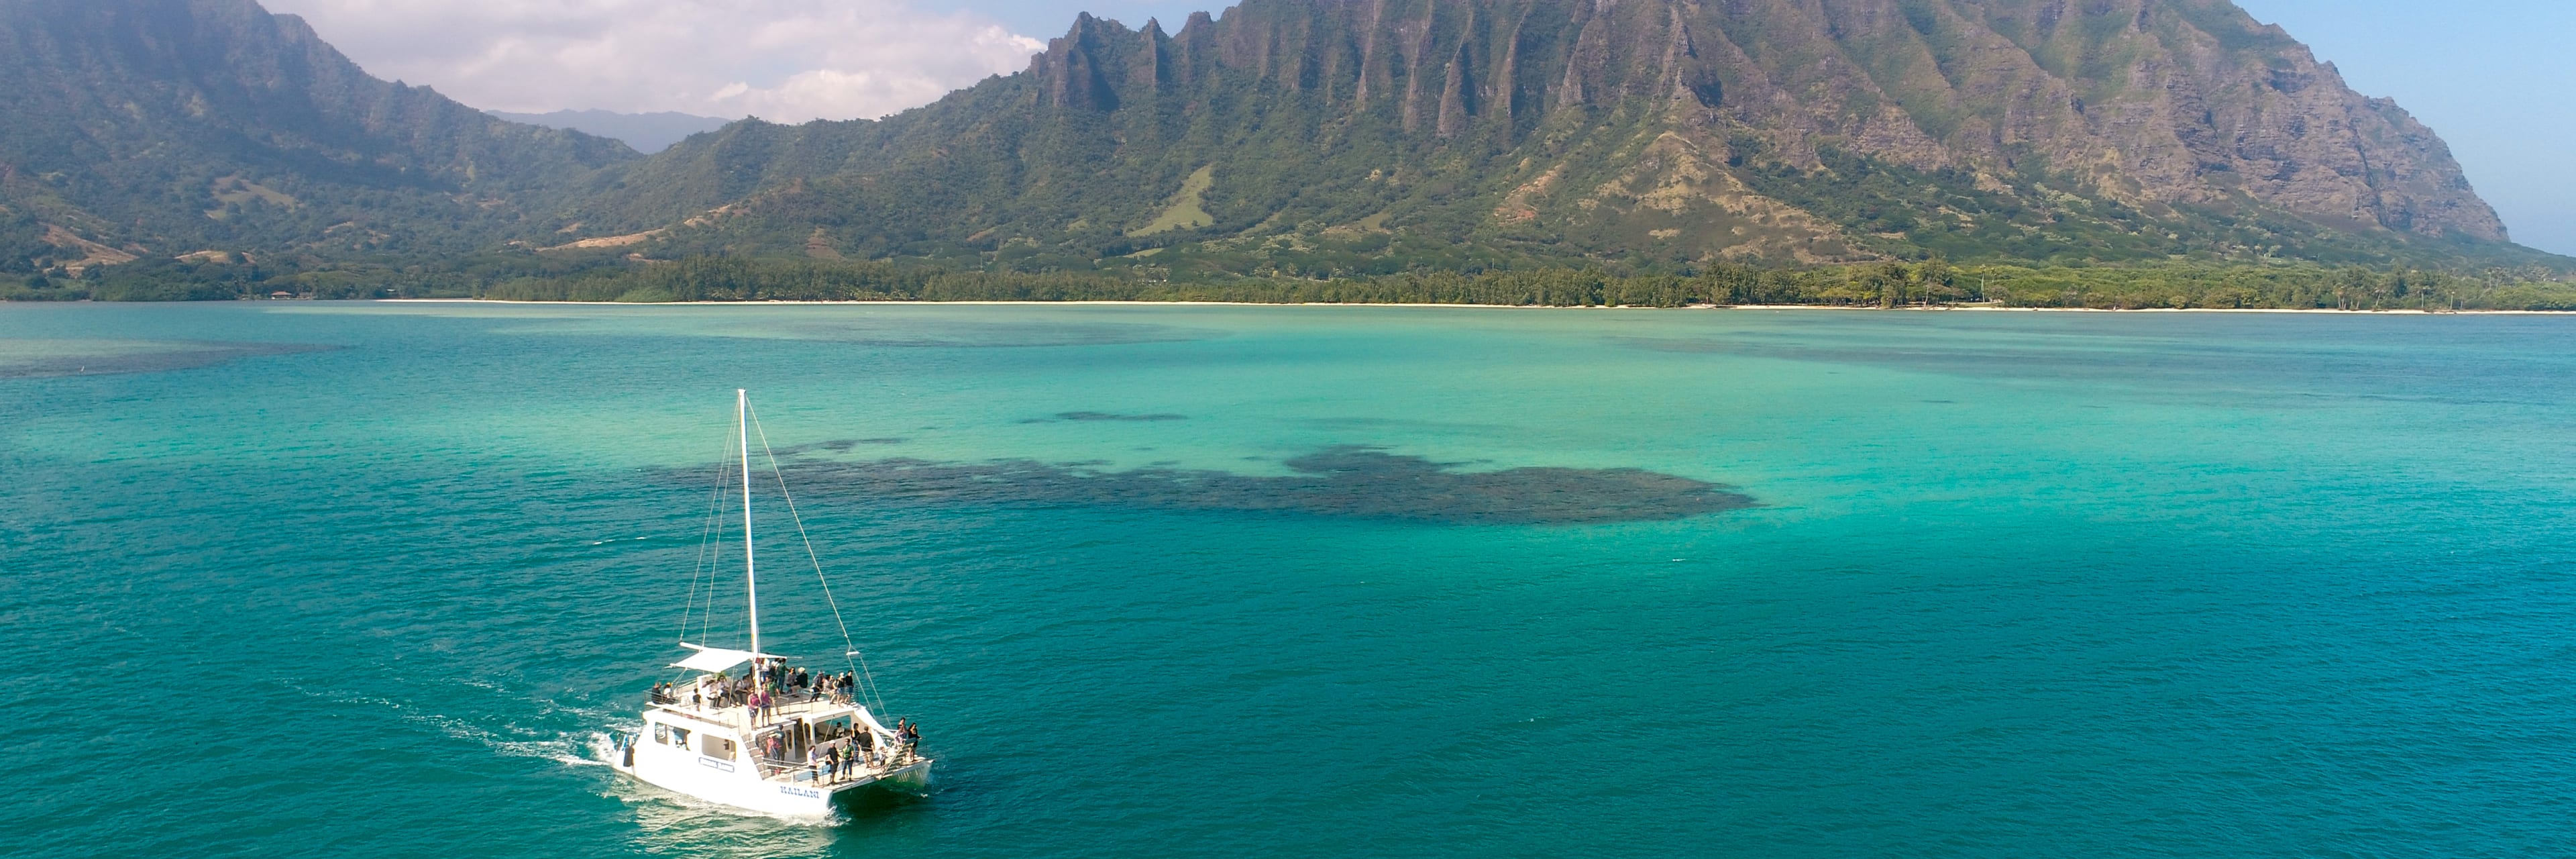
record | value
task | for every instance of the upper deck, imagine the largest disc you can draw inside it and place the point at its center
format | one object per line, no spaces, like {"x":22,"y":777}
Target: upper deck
{"x":788,"y":709}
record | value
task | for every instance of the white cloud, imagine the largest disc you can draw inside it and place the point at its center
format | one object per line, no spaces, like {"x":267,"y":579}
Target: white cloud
{"x":781,"y":60}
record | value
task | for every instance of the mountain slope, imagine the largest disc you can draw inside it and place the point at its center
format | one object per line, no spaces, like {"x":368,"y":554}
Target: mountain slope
{"x":161,"y":127}
{"x":1302,"y":137}
{"x":646,"y":132}
{"x":1356,"y":134}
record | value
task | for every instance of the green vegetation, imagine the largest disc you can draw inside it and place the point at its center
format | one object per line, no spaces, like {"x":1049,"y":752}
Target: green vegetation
{"x":166,"y":129}
{"x":1286,"y":169}
{"x":1186,"y":211}
{"x":533,"y":277}
{"x":1209,"y":165}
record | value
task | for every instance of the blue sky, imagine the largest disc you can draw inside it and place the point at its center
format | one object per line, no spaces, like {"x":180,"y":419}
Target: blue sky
{"x":2497,"y":79}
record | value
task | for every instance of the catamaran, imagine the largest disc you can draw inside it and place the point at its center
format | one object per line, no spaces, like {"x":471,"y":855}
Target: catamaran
{"x":742,"y":728}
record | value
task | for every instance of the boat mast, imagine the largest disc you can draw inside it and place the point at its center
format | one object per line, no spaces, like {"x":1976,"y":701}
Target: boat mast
{"x":750,"y":578}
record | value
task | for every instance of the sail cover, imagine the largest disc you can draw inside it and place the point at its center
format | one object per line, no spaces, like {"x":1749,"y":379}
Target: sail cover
{"x":871,"y":720}
{"x":713,"y":659}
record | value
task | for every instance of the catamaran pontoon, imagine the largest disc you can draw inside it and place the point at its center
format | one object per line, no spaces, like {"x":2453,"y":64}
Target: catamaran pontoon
{"x":773,"y":739}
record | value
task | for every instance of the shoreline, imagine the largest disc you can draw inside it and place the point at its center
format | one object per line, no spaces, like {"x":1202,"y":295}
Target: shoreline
{"x":1769,"y":307}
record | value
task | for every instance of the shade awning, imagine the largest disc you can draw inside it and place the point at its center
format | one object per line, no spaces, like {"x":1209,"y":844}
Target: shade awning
{"x":714,"y":659}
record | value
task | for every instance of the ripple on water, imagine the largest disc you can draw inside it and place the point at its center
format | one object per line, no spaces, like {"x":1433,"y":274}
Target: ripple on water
{"x":39,"y":358}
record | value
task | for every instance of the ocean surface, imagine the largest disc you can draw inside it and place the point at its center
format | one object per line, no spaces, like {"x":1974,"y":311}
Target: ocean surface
{"x":314,"y":579}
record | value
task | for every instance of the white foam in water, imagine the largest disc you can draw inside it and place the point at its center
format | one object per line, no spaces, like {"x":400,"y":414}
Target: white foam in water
{"x":566,"y":748}
{"x":599,"y":745}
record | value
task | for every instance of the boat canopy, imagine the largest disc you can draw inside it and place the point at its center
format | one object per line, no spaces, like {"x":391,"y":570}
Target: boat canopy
{"x":713,"y":659}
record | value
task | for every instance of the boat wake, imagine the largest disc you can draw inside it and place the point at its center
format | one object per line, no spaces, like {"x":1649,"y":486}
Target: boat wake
{"x":583,"y":747}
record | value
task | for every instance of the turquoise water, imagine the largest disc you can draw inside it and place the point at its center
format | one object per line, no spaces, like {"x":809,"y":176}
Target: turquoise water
{"x":310,"y":579}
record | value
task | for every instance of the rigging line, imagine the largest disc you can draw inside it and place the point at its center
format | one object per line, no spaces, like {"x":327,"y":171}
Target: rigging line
{"x":849,"y":650}
{"x":713,"y":543}
{"x":716,"y":549}
{"x":709,"y":551}
{"x":705,"y":538}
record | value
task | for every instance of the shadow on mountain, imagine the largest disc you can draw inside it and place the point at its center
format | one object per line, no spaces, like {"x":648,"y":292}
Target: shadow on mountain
{"x":1346,"y":482}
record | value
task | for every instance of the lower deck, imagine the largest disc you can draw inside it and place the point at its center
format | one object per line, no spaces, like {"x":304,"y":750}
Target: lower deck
{"x":813,"y":740}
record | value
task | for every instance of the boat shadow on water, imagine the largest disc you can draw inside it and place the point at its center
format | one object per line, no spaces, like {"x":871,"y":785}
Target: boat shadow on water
{"x":878,"y":802}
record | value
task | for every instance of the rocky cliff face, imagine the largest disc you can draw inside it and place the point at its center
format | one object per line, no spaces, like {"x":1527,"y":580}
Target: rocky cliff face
{"x":2146,"y":101}
{"x":1785,"y":130}
{"x":1292,"y":136}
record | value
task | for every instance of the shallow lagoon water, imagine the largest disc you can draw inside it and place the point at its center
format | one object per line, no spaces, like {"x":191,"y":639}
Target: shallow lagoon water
{"x":373,"y":578}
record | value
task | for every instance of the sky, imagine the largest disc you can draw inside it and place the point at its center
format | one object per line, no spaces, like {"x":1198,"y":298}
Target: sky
{"x":2493,"y":77}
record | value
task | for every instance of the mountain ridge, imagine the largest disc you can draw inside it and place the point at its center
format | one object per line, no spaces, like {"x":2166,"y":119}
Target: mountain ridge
{"x":1691,"y":139}
{"x":647,"y":133}
{"x":1308,"y":138}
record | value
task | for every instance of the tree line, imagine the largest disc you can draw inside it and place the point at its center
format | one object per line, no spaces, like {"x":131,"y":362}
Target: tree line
{"x":1929,"y":283}
{"x":1886,"y":285}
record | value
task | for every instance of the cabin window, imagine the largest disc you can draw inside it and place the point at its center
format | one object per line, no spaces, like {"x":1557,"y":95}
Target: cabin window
{"x":680,"y":737}
{"x":662,"y":734}
{"x":717,"y":747}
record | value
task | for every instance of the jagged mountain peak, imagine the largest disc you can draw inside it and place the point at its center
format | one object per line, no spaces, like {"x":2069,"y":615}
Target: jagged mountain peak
{"x":1317,"y":136}
{"x":2145,"y":101}
{"x":1453,"y":131}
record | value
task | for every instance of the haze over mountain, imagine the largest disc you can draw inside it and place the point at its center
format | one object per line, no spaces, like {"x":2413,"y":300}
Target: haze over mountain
{"x":646,"y":132}
{"x":781,"y":60}
{"x":1300,"y":136}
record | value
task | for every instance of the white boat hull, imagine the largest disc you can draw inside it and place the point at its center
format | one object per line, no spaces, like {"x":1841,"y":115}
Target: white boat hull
{"x":730,"y":782}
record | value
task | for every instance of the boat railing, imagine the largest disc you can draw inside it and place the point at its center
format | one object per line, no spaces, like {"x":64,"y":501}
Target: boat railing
{"x":733,"y":713}
{"x":777,"y":770}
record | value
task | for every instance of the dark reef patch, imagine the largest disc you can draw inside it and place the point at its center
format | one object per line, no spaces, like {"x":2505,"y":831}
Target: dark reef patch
{"x":33,"y":359}
{"x":1351,"y":482}
{"x":841,"y":445}
{"x":1087,"y":417}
